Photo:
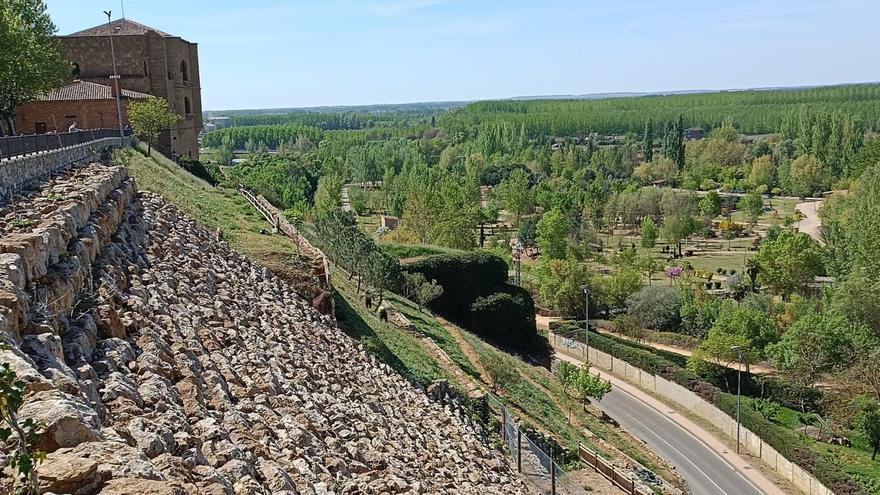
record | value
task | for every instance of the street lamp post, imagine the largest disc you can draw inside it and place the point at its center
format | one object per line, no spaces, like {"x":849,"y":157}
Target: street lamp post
{"x":587,"y":320}
{"x":115,"y":78}
{"x":739,"y":351}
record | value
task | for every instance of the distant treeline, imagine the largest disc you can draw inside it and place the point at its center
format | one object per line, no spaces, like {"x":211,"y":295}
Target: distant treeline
{"x":268,"y":135}
{"x":753,"y":112}
{"x":279,"y":137}
{"x":338,"y":121}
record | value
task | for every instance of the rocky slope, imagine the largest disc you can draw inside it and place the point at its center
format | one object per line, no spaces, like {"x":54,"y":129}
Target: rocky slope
{"x":161,"y":361}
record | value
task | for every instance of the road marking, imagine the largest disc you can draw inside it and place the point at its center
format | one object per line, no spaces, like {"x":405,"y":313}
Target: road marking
{"x":565,"y":357}
{"x":678,"y":451}
{"x":680,"y":427}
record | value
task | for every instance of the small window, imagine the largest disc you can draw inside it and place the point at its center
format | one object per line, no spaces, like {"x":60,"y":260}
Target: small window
{"x":184,"y":73}
{"x":187,"y":108}
{"x":75,"y":70}
{"x":146,"y":69}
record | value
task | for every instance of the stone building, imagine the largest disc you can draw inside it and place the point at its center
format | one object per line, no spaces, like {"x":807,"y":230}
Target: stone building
{"x":148,"y":61}
{"x":89,"y":105}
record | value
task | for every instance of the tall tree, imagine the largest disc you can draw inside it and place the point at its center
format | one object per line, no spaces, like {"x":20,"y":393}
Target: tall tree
{"x":789,"y":262}
{"x":677,"y":228}
{"x":553,"y":234}
{"x":648,"y":141}
{"x":516,"y":194}
{"x":753,"y":207}
{"x":649,"y":232}
{"x":31,"y":60}
{"x":150,"y":117}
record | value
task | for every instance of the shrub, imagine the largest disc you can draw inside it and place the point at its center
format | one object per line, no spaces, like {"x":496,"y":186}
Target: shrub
{"x":501,"y":372}
{"x":464,"y":277}
{"x":507,"y":318}
{"x":209,"y":173}
{"x":655,"y":307}
{"x":476,"y":295}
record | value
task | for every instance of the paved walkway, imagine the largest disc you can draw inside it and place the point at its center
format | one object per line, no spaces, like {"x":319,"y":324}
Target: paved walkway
{"x":705,"y":462}
{"x":811,"y":223}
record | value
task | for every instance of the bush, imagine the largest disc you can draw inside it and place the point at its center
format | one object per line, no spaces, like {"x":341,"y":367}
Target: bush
{"x":464,"y":277}
{"x":477,"y":296}
{"x":209,"y":173}
{"x":656,"y":307}
{"x":507,"y":318}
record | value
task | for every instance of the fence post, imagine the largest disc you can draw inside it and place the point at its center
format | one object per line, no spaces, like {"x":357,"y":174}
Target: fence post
{"x":552,"y":477}
{"x":518,"y":450}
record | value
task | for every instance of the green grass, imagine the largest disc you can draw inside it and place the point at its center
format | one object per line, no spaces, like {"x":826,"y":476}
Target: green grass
{"x":393,"y":346}
{"x":429,"y":327}
{"x":214,"y":207}
{"x":403,"y":251}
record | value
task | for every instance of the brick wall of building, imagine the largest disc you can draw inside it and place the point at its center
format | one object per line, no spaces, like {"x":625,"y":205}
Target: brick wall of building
{"x":88,"y":114}
{"x":148,"y":63}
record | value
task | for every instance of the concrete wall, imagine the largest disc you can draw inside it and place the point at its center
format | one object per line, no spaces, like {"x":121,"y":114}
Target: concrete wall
{"x":18,"y":171}
{"x":690,"y":401}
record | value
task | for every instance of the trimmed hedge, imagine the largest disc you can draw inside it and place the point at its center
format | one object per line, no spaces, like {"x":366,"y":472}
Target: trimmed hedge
{"x":507,"y":317}
{"x":464,"y":278}
{"x":661,"y":362}
{"x":476,"y":295}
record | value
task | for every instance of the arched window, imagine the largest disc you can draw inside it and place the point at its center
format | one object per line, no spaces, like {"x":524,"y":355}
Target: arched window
{"x":183,"y":70}
{"x":187,"y":108}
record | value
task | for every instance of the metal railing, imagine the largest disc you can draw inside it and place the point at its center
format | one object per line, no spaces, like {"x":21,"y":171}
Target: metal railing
{"x":11,"y":146}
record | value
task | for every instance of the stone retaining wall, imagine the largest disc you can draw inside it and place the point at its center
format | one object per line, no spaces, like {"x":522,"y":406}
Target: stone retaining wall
{"x":20,"y":170}
{"x":690,"y":401}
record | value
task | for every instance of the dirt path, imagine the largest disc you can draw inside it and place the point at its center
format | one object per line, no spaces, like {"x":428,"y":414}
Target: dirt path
{"x":811,"y":223}
{"x":466,"y":348}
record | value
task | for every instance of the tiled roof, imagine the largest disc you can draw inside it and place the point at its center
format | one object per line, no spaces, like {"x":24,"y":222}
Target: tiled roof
{"x":84,"y":90}
{"x":120,"y":27}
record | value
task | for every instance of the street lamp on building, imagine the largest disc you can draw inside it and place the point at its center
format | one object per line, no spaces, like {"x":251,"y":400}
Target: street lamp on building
{"x":115,"y":78}
{"x":739,"y":351}
{"x":587,"y":320}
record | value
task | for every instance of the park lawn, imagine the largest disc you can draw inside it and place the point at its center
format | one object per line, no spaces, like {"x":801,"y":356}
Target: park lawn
{"x":783,"y":207}
{"x":711,"y":262}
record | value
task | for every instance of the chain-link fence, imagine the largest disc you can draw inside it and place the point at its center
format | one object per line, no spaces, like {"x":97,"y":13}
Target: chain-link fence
{"x":534,"y":464}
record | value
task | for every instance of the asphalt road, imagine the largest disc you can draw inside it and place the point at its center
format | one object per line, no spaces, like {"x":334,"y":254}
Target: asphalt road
{"x":705,"y":472}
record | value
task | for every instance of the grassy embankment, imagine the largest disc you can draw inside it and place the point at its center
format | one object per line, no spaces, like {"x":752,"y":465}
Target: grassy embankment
{"x":215,"y":207}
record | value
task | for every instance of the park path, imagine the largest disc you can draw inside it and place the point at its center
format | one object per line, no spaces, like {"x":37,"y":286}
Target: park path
{"x":811,"y":223}
{"x":707,"y":464}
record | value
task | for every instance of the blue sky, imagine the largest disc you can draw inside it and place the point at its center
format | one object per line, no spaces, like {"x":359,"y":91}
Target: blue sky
{"x":274,"y":53}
